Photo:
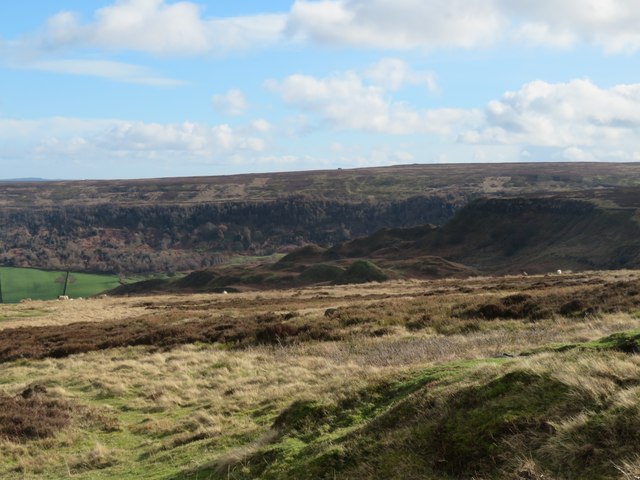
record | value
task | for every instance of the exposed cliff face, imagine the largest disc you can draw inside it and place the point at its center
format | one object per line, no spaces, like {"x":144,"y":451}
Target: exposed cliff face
{"x":171,"y":237}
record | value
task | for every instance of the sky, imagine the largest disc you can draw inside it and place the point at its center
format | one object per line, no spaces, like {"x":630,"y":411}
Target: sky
{"x":99,"y":89}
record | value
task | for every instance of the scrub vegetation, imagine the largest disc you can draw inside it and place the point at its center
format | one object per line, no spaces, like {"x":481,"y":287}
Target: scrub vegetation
{"x":525,"y":377}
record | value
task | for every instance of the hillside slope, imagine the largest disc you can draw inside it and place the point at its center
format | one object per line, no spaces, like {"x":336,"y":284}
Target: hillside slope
{"x":505,"y":236}
{"x":488,"y":236}
{"x":539,"y":235}
{"x":185,"y":224}
{"x":497,"y":418}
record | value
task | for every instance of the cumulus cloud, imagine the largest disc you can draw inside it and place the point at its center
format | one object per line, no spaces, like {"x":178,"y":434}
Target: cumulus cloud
{"x":261,"y":125}
{"x":232,"y":103}
{"x":405,"y":24}
{"x":397,"y":24}
{"x":158,"y":27}
{"x":393,"y":74}
{"x":180,"y":28}
{"x":611,"y":24}
{"x":191,"y":138}
{"x":169,"y":28}
{"x":577,"y":113}
{"x":347,"y":101}
{"x":572,"y":121}
{"x":105,"y":139}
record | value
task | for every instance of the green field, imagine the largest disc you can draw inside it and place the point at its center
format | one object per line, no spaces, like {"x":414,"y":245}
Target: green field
{"x":21,"y":283}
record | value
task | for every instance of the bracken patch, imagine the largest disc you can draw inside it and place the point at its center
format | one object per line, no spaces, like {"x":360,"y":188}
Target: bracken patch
{"x":33,"y":414}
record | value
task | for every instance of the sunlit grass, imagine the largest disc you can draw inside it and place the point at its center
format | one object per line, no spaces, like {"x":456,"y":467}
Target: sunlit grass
{"x":210,"y":410}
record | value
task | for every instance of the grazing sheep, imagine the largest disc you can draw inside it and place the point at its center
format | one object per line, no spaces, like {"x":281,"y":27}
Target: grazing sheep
{"x":63,"y":297}
{"x":559,"y":272}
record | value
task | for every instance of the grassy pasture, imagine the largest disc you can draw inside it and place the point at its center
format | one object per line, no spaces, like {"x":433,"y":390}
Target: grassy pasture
{"x":22,"y":283}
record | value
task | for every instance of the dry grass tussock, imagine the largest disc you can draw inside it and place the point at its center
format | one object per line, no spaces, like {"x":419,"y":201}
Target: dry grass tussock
{"x":96,"y":458}
{"x":603,"y":437}
{"x":630,"y":469}
{"x":594,"y":375}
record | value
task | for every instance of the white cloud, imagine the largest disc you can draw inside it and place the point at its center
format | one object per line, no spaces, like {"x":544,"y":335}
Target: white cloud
{"x":612,"y":24}
{"x":535,"y":33}
{"x":261,"y":125}
{"x":179,"y":28}
{"x":346,"y":101}
{"x":242,"y":33}
{"x":574,"y":154}
{"x":158,"y":27}
{"x":191,"y":138}
{"x":93,"y":140}
{"x":561,"y":115}
{"x":573,"y":121}
{"x":150,"y":26}
{"x":116,"y":71}
{"x":407,"y":24}
{"x":146,"y":25}
{"x":232,"y":103}
{"x":393,"y":74}
{"x":397,"y":24}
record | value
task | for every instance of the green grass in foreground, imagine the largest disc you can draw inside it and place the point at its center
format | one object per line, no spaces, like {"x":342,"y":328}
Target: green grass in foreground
{"x":563,"y":413}
{"x":560,"y":414}
{"x":22,"y":283}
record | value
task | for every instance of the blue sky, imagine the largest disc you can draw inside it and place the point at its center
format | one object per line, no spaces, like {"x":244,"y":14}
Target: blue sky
{"x":151,"y":88}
